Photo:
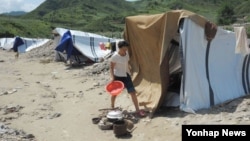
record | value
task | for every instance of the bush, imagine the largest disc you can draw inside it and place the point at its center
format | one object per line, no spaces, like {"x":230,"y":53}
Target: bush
{"x":226,"y":15}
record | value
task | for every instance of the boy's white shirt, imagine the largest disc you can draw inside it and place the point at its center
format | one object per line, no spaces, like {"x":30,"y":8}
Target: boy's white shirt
{"x":121,"y":64}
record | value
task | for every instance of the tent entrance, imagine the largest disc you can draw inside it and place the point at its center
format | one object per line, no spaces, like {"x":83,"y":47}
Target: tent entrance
{"x":175,"y":82}
{"x":172,"y":97}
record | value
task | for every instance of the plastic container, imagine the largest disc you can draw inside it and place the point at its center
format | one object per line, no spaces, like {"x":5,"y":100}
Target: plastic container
{"x":115,"y":87}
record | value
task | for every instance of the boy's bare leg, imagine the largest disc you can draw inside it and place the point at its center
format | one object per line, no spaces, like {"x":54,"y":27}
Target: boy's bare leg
{"x":113,"y":101}
{"x":135,"y":101}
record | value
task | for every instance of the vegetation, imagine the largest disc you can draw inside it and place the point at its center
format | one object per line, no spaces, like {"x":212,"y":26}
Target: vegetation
{"x":107,"y":17}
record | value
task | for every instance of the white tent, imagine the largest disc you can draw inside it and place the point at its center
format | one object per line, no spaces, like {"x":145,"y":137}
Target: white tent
{"x":23,"y":45}
{"x":87,"y":44}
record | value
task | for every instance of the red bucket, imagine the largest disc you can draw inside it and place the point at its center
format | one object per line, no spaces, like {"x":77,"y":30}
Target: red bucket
{"x":115,"y":87}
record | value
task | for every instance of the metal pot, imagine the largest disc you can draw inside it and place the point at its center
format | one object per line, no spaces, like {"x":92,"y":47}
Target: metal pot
{"x":115,"y":115}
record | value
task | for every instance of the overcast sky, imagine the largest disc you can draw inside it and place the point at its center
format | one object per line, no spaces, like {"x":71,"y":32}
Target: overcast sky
{"x":19,"y":5}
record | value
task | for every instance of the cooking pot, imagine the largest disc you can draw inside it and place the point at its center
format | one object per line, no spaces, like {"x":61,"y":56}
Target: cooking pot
{"x":115,"y":115}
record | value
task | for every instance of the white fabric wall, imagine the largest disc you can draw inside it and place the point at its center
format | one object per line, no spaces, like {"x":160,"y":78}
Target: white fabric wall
{"x":90,"y":47}
{"x":225,"y":68}
{"x":7,"y":43}
{"x":31,"y":43}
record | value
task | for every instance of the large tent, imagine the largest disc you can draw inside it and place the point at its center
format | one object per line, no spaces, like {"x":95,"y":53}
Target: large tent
{"x":172,"y":52}
{"x":78,"y":43}
{"x":22,"y":44}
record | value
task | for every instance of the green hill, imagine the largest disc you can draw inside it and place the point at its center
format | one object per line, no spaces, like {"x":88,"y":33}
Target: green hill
{"x":104,"y":16}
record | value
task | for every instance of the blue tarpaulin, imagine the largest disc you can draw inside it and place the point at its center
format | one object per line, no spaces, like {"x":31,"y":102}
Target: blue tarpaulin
{"x":66,"y":44}
{"x":18,"y":42}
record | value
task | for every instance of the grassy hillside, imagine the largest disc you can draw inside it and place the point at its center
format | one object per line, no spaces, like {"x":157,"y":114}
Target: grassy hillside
{"x":11,"y":27}
{"x":88,"y":15}
{"x":106,"y":16}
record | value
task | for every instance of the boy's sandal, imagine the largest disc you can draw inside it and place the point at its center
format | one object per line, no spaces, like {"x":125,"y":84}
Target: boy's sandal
{"x":141,"y":113}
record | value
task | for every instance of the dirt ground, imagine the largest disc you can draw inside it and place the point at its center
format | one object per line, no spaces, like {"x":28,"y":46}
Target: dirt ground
{"x":44,"y":100}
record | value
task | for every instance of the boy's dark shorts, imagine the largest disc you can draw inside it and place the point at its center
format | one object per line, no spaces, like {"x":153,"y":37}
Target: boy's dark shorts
{"x":127,"y":81}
